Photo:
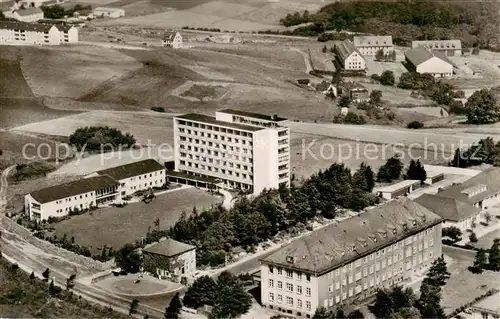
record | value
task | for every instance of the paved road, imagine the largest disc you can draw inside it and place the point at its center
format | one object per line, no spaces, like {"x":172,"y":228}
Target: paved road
{"x":3,"y":186}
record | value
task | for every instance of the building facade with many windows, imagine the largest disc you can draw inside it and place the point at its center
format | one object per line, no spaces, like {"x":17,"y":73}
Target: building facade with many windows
{"x":346,"y":262}
{"x":241,"y":150}
{"x":22,"y":33}
{"x":61,"y":200}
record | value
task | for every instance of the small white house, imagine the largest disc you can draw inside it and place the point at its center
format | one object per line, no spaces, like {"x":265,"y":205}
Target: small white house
{"x":103,"y":12}
{"x":172,"y":40}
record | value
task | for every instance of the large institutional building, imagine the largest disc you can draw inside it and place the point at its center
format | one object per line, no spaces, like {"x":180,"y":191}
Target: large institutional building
{"x":422,"y":61}
{"x":369,"y":45}
{"x":346,"y":262}
{"x":240,"y":150}
{"x":448,"y":47}
{"x":21,"y":33}
{"x":348,"y":56}
{"x":100,"y":188}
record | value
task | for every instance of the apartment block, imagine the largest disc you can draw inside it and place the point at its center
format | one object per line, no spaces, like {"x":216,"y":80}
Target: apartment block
{"x":344,"y":263}
{"x":21,"y":33}
{"x":238,"y":150}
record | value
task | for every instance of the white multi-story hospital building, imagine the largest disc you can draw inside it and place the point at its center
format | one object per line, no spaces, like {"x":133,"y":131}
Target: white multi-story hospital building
{"x":239,"y":150}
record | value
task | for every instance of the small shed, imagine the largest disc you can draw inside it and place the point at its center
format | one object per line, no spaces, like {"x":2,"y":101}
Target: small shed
{"x":434,"y":177}
{"x":303,"y":81}
{"x":402,"y":188}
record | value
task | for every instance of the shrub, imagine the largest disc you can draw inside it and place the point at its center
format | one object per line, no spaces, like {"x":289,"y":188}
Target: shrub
{"x":473,"y":238}
{"x":415,"y":125}
{"x":353,"y":118}
{"x":375,"y":77}
{"x":158,"y":109}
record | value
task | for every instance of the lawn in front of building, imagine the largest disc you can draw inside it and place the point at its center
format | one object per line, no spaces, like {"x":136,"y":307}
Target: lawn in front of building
{"x":117,"y":226}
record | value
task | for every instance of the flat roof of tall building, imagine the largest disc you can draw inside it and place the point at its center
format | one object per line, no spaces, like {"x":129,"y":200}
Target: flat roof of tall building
{"x":84,"y":185}
{"x":337,"y":244}
{"x":211,"y":120}
{"x":273,"y":118}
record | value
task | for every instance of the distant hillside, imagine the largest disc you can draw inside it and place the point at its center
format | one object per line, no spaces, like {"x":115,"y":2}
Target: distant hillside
{"x":475,"y":23}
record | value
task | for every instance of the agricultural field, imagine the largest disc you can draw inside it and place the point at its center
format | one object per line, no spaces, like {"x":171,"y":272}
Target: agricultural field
{"x":18,"y":104}
{"x":486,"y":65}
{"x":115,"y":226}
{"x":49,"y":75}
{"x":229,"y":15}
{"x":311,"y":153}
{"x":152,"y":127}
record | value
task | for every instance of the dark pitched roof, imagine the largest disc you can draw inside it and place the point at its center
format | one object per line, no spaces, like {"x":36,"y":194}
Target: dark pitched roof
{"x":345,"y":49}
{"x":448,"y":208}
{"x":420,"y":55}
{"x":169,"y":36}
{"x":25,"y":26}
{"x":254,"y":115}
{"x":169,"y":248}
{"x":132,"y":169}
{"x":64,"y":27}
{"x":438,"y":44}
{"x":332,"y":246}
{"x":211,"y":120}
{"x":78,"y":187}
{"x":488,"y":179}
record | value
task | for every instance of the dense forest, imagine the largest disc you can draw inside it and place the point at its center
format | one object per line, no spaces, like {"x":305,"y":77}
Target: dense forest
{"x":475,"y":23}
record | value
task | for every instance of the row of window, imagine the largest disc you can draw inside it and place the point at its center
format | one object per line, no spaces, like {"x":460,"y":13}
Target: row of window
{"x":289,"y":287}
{"x":289,"y":301}
{"x":215,"y":128}
{"x":216,"y":137}
{"x":146,"y":175}
{"x":217,"y":170}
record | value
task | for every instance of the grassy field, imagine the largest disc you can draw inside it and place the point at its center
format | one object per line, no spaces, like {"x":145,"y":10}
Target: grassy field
{"x":223,"y":14}
{"x":17,"y":102}
{"x":115,"y":227}
{"x":28,"y":298}
{"x":311,"y":153}
{"x":49,"y":75}
{"x":145,"y":126}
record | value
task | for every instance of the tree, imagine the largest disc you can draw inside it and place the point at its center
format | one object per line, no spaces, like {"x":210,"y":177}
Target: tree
{"x":46,"y":274}
{"x":376,"y":97}
{"x":429,"y":302}
{"x":32,"y":275}
{"x":201,"y":292}
{"x":416,"y":171}
{"x":383,"y":306}
{"x":438,"y":273}
{"x":325,"y":49}
{"x":480,"y":262}
{"x":415,"y":125}
{"x":321,"y":313}
{"x":473,"y":237}
{"x":133,"y":307}
{"x":232,"y":300}
{"x":174,"y":308}
{"x":128,"y":259}
{"x":379,"y":55}
{"x":53,"y":12}
{"x":345,"y":101}
{"x":494,"y":255}
{"x":70,"y":282}
{"x":487,"y":217}
{"x":482,"y":108}
{"x":2,"y":17}
{"x":364,"y":178}
{"x":387,"y":78}
{"x":339,"y":314}
{"x":356,"y":314}
{"x":391,"y":170}
{"x":454,"y":233}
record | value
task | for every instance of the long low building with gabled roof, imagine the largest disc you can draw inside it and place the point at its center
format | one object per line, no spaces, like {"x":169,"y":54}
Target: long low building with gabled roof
{"x":348,"y":261}
{"x":22,"y":33}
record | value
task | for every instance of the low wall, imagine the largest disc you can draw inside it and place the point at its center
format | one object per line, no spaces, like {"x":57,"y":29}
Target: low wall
{"x":11,"y":226}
